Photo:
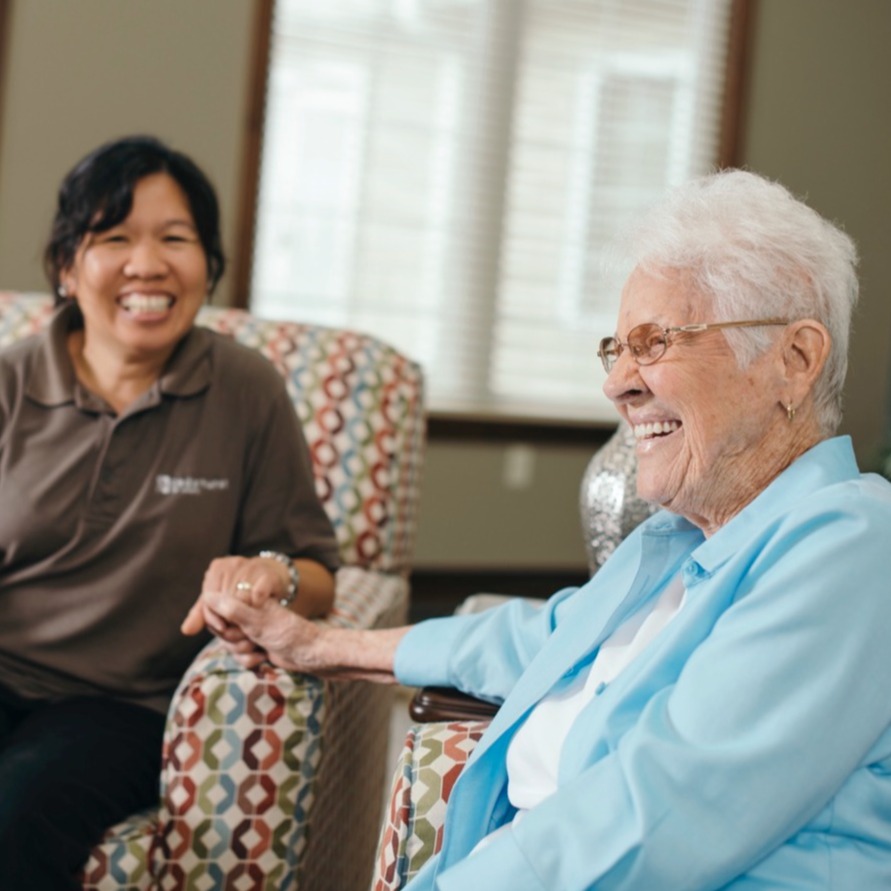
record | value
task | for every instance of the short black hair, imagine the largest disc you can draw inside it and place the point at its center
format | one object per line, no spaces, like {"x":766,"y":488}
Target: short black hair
{"x":97,"y":194}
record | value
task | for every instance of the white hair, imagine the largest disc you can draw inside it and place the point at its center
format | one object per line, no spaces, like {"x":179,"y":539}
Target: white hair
{"x":758,"y":252}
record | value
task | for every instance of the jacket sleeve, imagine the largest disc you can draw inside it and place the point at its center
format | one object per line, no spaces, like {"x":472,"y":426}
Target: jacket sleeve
{"x":481,"y":654}
{"x":781,"y":705}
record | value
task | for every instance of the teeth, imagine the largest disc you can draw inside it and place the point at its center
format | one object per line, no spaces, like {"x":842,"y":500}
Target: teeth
{"x":657,"y":428}
{"x":146,"y":303}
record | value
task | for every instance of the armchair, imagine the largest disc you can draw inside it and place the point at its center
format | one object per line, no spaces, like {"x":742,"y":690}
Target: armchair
{"x":449,"y":723}
{"x":255,"y":762}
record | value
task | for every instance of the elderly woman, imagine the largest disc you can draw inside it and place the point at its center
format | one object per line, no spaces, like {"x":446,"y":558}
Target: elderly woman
{"x":713,"y":709}
{"x":142,"y":460}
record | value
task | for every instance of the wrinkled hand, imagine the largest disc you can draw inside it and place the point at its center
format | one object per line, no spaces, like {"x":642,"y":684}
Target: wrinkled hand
{"x":256,"y":628}
{"x":268,"y":632}
{"x":253,"y":580}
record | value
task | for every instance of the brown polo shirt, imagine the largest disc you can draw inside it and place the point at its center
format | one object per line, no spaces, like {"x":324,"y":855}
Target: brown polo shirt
{"x":108,"y":523}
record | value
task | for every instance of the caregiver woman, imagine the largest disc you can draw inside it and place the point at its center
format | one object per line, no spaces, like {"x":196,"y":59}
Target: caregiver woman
{"x":713,"y":709}
{"x":142,"y":460}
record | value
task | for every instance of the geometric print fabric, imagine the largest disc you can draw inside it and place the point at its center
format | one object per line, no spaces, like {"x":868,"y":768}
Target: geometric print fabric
{"x":360,"y":403}
{"x":237,"y":762}
{"x":432,"y":758}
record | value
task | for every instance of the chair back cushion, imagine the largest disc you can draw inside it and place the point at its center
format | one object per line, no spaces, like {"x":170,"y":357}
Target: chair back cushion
{"x":361,"y":405}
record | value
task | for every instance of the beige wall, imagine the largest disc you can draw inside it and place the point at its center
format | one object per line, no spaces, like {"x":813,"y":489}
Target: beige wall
{"x":80,"y":72}
{"x":502,"y":505}
{"x":818,"y":119}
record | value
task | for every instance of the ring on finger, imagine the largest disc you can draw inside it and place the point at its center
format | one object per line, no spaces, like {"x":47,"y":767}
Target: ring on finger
{"x":243,"y":586}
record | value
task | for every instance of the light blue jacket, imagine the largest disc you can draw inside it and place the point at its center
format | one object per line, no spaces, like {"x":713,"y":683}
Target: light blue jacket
{"x":749,"y":747}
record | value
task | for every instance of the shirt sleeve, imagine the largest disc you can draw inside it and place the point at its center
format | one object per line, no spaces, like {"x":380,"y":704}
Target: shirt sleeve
{"x":482,"y":654}
{"x":280,"y":509}
{"x":781,"y":705}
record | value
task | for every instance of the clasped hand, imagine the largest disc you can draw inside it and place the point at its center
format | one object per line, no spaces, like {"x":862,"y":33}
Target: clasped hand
{"x":239,"y":604}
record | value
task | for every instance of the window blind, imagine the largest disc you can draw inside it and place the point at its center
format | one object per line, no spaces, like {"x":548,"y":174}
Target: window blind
{"x":446,"y":174}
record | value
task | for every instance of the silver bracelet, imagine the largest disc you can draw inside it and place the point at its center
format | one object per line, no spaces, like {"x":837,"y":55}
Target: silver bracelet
{"x":293,"y":575}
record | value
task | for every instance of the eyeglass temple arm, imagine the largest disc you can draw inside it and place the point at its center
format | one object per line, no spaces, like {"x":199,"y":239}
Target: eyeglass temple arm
{"x":752,"y":323}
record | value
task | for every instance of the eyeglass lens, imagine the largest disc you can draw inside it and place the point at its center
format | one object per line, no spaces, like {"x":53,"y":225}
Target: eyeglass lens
{"x":647,"y":343}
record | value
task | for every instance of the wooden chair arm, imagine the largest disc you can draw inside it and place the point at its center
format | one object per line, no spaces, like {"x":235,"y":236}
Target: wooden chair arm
{"x":446,"y":704}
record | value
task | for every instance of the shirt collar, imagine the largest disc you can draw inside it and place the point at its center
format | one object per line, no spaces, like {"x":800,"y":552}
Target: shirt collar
{"x":190,"y":368}
{"x":52,"y":380}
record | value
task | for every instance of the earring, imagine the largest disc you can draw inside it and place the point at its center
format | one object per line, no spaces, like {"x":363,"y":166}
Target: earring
{"x":62,"y":291}
{"x":790,"y":412}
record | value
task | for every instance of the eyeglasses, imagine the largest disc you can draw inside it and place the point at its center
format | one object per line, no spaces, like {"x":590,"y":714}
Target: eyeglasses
{"x":648,"y":342}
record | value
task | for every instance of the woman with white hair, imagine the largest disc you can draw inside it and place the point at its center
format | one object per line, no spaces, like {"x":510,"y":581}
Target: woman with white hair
{"x":713,"y":709}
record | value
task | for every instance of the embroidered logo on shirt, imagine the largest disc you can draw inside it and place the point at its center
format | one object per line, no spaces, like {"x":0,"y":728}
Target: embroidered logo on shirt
{"x":188,"y":485}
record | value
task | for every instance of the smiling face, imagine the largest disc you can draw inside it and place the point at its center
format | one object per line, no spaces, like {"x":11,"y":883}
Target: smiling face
{"x":709,"y":435}
{"x":140,"y":284}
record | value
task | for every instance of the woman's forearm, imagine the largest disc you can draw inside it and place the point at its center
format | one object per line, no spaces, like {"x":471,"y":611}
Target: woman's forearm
{"x":296,"y":644}
{"x":359,"y":654}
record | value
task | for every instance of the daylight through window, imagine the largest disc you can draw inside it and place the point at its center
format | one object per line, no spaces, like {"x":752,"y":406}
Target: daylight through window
{"x":446,"y":174}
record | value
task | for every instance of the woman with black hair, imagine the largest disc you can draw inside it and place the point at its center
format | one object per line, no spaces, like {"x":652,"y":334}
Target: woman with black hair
{"x":143,"y":462}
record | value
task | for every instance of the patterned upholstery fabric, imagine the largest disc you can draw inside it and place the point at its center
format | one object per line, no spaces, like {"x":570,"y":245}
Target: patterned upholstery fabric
{"x":255,"y":762}
{"x":432,"y":759}
{"x":359,"y":401}
{"x":123,"y":863}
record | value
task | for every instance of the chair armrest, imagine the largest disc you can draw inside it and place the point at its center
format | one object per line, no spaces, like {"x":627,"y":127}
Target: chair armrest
{"x":241,"y":752}
{"x":244,"y":749}
{"x":445,"y":704}
{"x":431,"y":760}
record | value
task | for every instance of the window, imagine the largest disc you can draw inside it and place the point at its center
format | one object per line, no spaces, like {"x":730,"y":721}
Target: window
{"x":446,"y":174}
